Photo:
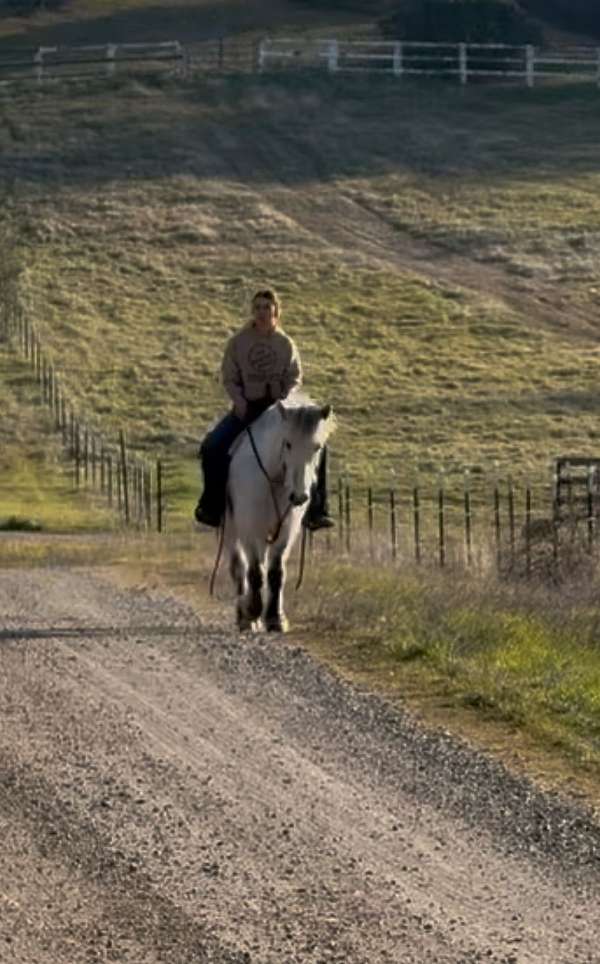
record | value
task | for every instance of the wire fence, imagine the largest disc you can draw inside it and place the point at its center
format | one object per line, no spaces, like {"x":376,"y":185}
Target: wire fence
{"x":522,"y":529}
{"x":130,"y":484}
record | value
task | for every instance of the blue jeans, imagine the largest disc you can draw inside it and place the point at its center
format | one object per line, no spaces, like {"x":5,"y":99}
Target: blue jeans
{"x":215,"y":461}
{"x":219,"y":440}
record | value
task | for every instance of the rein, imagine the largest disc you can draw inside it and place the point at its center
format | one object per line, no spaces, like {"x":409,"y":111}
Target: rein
{"x":280,"y":518}
{"x":213,"y":577}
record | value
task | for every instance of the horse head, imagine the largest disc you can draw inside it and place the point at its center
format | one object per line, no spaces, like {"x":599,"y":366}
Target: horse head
{"x":306,"y":428}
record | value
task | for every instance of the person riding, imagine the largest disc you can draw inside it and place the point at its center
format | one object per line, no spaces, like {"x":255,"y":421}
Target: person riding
{"x":261,"y":365}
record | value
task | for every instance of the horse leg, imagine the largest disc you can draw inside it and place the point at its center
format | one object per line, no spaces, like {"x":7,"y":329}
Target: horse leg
{"x":254,"y":606}
{"x":238,"y":568}
{"x":275,"y":619}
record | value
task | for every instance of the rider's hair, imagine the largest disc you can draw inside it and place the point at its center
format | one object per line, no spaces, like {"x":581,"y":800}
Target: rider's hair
{"x":268,"y":294}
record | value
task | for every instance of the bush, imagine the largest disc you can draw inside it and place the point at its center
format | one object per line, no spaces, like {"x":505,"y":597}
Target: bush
{"x":456,"y":21}
{"x":578,"y":15}
{"x":25,"y":7}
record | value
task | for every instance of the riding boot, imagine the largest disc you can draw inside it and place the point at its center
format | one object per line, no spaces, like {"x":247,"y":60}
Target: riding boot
{"x":211,"y":505}
{"x":317,"y":515}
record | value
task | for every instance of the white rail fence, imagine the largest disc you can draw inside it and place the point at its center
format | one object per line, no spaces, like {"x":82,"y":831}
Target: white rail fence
{"x":462,"y":61}
{"x":63,"y":61}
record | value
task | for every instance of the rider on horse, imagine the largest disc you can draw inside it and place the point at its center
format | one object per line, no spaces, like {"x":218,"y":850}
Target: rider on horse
{"x":261,"y":365}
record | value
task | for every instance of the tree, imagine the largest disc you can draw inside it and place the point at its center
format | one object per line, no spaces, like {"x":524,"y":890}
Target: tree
{"x":454,"y":21}
{"x":581,"y":16}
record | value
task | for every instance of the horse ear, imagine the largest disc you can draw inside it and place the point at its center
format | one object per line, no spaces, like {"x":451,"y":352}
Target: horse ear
{"x":326,"y":411}
{"x":282,"y":410}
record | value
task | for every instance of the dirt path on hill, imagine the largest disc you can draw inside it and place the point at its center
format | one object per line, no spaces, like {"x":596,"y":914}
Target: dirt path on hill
{"x":298,"y":184}
{"x":172,"y":792}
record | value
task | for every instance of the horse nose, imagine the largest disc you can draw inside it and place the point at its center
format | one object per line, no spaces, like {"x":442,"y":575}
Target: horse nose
{"x":298,"y":499}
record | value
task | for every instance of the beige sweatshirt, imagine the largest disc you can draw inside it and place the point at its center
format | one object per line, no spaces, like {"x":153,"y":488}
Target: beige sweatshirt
{"x":257,"y":366}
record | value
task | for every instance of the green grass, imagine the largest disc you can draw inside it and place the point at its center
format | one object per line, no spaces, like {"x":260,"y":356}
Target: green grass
{"x":37,"y":489}
{"x":520,"y":656}
{"x":146,"y":226}
{"x":131,"y":21}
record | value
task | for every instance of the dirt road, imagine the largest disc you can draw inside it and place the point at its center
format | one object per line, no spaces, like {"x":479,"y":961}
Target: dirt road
{"x":171,"y":792}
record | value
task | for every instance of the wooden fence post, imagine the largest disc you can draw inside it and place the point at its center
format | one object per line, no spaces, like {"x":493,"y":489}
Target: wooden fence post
{"x":497,"y":529}
{"x":261,"y":59}
{"x":442,"y":526}
{"x":393,"y":529}
{"x":528,"y":532}
{"x":111,"y":50}
{"x":38,"y":64}
{"x":370,"y":519}
{"x":417,"y":524}
{"x":530,"y":65}
{"x":590,"y":508}
{"x":462,"y":63}
{"x":109,"y":469}
{"x":124,"y":475}
{"x":159,"y":496}
{"x":332,"y":56}
{"x":348,"y":518}
{"x":468,"y":522}
{"x":511,"y":520}
{"x":77,"y":448}
{"x":86,"y":455}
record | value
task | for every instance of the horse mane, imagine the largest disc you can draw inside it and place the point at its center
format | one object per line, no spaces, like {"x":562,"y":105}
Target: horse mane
{"x":306,"y":415}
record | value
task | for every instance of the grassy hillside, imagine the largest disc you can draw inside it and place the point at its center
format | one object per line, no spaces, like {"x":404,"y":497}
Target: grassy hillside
{"x":128,"y":21}
{"x":36,"y":487}
{"x":437,"y":255}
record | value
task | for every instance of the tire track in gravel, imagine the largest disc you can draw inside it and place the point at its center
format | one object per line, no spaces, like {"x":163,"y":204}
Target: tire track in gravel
{"x":253,"y":808}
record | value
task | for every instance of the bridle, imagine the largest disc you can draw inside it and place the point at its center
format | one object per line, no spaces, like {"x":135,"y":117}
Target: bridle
{"x":272,"y":486}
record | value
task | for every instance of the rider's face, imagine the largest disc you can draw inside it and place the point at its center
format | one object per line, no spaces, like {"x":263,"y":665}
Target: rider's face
{"x":265,"y":314}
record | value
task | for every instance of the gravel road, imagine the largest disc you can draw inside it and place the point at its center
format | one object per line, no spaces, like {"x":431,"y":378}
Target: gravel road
{"x":172,"y":792}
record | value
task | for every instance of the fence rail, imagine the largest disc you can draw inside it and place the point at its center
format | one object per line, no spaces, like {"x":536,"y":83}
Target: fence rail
{"x":463,"y":61}
{"x":75,"y":61}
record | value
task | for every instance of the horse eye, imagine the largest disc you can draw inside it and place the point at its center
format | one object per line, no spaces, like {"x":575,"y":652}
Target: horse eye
{"x":288,"y":445}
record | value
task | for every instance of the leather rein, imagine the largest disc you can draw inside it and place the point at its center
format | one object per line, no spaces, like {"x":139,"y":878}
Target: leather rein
{"x":272,"y":484}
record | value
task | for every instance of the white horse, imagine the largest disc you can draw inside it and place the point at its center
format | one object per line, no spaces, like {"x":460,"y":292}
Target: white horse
{"x":272,"y":471}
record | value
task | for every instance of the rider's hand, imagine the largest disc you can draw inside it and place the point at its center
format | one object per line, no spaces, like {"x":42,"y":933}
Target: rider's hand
{"x":241,"y":409}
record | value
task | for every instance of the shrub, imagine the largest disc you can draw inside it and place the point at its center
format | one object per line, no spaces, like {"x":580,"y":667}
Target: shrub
{"x":455,"y":21}
{"x":577,"y":15}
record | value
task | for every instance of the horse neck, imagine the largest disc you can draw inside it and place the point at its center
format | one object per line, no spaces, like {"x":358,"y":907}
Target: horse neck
{"x":268,"y":437}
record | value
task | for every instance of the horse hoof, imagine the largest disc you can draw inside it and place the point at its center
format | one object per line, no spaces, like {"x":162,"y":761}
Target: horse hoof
{"x":278,"y":624}
{"x":244,"y":623}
